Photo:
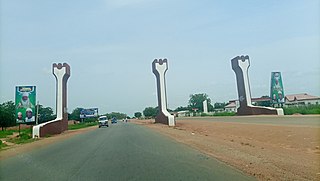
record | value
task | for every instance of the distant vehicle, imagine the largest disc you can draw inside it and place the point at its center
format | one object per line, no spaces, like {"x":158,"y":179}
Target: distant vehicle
{"x":103,"y":121}
{"x":114,"y":120}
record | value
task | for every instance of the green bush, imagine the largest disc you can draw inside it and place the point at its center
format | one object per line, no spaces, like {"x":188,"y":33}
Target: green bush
{"x":89,"y":120}
{"x":25,"y":131}
{"x":204,"y":114}
{"x":22,"y":138}
{"x":81,"y":125}
{"x":224,"y":114}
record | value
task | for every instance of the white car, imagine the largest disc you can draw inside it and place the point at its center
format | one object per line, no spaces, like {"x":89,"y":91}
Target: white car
{"x":103,"y":121}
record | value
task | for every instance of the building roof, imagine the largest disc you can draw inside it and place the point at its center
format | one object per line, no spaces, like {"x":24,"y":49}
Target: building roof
{"x":231,"y":105}
{"x":300,"y":97}
{"x":181,"y":112}
{"x":260,"y":99}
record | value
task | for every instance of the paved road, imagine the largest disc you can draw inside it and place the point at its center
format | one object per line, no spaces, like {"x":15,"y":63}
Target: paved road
{"x":298,"y":120}
{"x":123,"y":151}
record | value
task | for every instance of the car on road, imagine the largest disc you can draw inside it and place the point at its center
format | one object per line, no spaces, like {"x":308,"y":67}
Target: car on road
{"x":103,"y":121}
{"x":114,"y":120}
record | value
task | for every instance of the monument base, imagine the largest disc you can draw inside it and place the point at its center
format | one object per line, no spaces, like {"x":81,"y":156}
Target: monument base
{"x":257,"y":110}
{"x":49,"y":128}
{"x":165,"y":119}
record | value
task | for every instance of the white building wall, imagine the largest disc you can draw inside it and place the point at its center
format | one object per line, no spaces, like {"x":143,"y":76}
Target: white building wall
{"x":304,"y":102}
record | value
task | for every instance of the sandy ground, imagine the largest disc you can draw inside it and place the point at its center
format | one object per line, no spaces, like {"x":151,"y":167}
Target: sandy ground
{"x":16,"y":149}
{"x":266,"y":151}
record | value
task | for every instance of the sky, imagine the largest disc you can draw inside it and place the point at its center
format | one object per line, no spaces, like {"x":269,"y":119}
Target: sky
{"x":110,"y":45}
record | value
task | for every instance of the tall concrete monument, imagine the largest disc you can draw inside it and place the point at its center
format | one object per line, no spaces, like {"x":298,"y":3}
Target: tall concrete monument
{"x":205,"y":106}
{"x":240,"y":66}
{"x":60,"y":124}
{"x":159,"y":68}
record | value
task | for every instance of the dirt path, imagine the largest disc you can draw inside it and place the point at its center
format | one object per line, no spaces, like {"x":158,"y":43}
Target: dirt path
{"x":268,"y":152}
{"x":40,"y":143}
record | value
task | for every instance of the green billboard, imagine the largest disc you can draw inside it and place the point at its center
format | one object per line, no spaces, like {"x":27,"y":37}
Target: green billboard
{"x":276,"y":92}
{"x":25,"y":104}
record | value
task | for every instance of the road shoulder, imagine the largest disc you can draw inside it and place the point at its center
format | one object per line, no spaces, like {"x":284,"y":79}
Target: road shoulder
{"x":14,"y":150}
{"x":275,"y":152}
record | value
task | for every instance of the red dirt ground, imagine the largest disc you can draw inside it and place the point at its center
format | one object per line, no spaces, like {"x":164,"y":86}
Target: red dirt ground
{"x":267,"y":152}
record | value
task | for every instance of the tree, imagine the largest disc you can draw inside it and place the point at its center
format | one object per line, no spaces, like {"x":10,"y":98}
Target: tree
{"x":116,"y":115}
{"x":266,"y":103}
{"x":138,"y":114}
{"x":181,"y":108}
{"x":210,"y":107}
{"x":196,"y":102}
{"x":150,"y":112}
{"x":45,"y":114}
{"x":7,"y":114}
{"x":75,"y":115}
{"x":219,"y":105}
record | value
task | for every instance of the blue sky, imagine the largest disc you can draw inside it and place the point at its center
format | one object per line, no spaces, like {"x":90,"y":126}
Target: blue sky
{"x":110,"y":45}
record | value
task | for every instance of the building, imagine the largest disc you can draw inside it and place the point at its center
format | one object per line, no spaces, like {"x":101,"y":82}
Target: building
{"x":262,"y":101}
{"x":303,"y":99}
{"x":182,"y":113}
{"x":233,"y":105}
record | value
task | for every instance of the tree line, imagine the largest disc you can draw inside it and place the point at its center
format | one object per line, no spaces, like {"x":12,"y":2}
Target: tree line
{"x":8,"y":118}
{"x":195,"y":104}
{"x":45,"y":114}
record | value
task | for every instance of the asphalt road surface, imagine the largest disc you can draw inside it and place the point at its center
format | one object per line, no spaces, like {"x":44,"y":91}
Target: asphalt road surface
{"x":124,"y":151}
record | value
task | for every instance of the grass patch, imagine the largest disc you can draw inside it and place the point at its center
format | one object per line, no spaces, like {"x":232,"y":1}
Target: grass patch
{"x":224,"y":114}
{"x":4,"y":134}
{"x":81,"y":125}
{"x":218,"y":114}
{"x":312,"y":109}
{"x":204,"y":115}
{"x":25,"y":131}
{"x":2,"y":145}
{"x":22,"y":138}
{"x":25,"y":134}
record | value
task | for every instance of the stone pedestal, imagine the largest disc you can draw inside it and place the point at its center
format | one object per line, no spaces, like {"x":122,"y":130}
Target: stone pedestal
{"x":60,"y":124}
{"x":240,"y":66}
{"x":159,"y":68}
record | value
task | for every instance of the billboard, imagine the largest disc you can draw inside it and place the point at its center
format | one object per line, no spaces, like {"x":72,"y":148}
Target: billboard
{"x":89,"y":113}
{"x":25,"y":104}
{"x":276,"y":92}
